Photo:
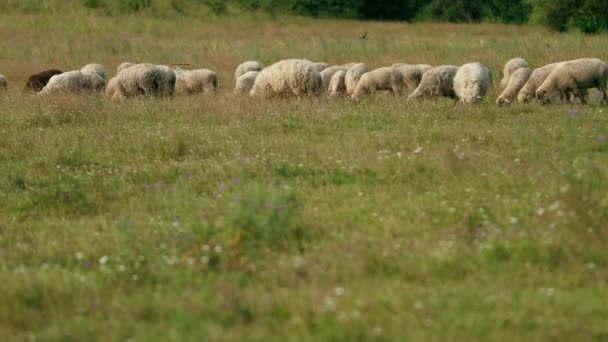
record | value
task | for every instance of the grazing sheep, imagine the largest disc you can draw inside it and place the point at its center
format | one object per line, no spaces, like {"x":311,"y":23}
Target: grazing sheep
{"x":570,"y":77}
{"x":68,"y":82}
{"x":510,"y":67}
{"x":291,"y":77}
{"x":320,"y":66}
{"x":398,"y":65}
{"x":412,"y":73}
{"x":168,"y":80}
{"x":353,"y":75}
{"x":328,"y":73}
{"x":348,"y":65}
{"x":123,"y":66}
{"x":436,"y":82}
{"x":245,"y":82}
{"x":3,"y":82}
{"x":196,"y":82}
{"x":539,"y":75}
{"x":245,"y":67}
{"x":94,"y":68}
{"x":387,"y":78}
{"x":516,"y":81}
{"x":139,"y":79}
{"x":38,"y":81}
{"x":471,"y":82}
{"x":337,"y":86}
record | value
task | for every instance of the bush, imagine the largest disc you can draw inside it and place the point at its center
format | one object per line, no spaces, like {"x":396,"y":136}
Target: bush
{"x":589,"y":16}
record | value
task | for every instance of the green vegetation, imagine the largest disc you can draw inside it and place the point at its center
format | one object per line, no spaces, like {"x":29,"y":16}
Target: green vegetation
{"x":222,"y":218}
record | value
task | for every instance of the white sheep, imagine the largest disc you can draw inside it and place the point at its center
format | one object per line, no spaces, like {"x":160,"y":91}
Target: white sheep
{"x":245,"y":67}
{"x":328,"y":73}
{"x":353,"y":75}
{"x":69,"y":82}
{"x":168,"y":82}
{"x":510,"y":67}
{"x":471,"y":82}
{"x":337,"y":85}
{"x":245,"y":82}
{"x":196,"y":82}
{"x":539,"y":75}
{"x":436,"y":82}
{"x":516,"y":81}
{"x":3,"y":82}
{"x":139,"y":79}
{"x":320,"y":66}
{"x":94,"y":68}
{"x":286,"y":78}
{"x":569,"y":78}
{"x":412,"y":73}
{"x":123,"y":66}
{"x":387,"y":78}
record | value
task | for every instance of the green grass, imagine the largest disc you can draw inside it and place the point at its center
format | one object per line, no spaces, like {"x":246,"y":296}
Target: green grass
{"x":218,"y":218}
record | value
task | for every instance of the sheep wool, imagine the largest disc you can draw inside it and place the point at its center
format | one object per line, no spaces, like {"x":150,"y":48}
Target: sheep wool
{"x":139,"y":79}
{"x":471,"y":82}
{"x":436,"y":82}
{"x":287,"y":78}
{"x":353,"y":75}
{"x":412,"y":73}
{"x":569,"y":78}
{"x":245,"y":67}
{"x":510,"y":67}
{"x":3,"y":82}
{"x":168,"y":80}
{"x":387,"y":78}
{"x":38,"y":81}
{"x":245,"y":82}
{"x":539,"y":75}
{"x":337,"y":86}
{"x":124,"y":66}
{"x":68,"y":82}
{"x":320,"y":66}
{"x":328,"y":73}
{"x":516,"y":81}
{"x":94,"y":68}
{"x":196,"y":82}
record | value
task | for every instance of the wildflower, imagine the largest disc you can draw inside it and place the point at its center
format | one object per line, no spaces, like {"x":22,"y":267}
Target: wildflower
{"x":122,"y":268}
{"x":329,"y":303}
{"x":103,"y":260}
{"x":602,"y":138}
{"x":149,"y":187}
{"x":218,"y":249}
{"x":205,"y":259}
{"x":377,"y":330}
{"x":235,"y":181}
{"x":575,"y":111}
{"x":222,"y":187}
{"x":339,"y":291}
{"x":267,"y":205}
{"x":79,"y":256}
{"x":160,"y":185}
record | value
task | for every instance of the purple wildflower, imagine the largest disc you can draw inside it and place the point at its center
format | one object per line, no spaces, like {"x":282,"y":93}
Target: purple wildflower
{"x":149,"y":187}
{"x":160,"y":185}
{"x":602,"y":138}
{"x":222,"y":187}
{"x":575,"y":111}
{"x":235,"y":180}
{"x":267,"y":205}
{"x":87,"y":265}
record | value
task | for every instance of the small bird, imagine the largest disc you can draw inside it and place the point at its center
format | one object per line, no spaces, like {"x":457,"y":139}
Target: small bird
{"x":364,"y":35}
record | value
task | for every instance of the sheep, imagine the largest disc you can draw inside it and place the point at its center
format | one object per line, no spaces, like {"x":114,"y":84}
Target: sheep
{"x":471,"y":82}
{"x":245,"y":82}
{"x":328,"y":73}
{"x":94,"y":68}
{"x":570,"y":77}
{"x":38,"y":81}
{"x":510,"y":67}
{"x":139,"y":79}
{"x":320,"y":66}
{"x":291,"y":77}
{"x":436,"y":82}
{"x":3,"y":83}
{"x":68,"y":82}
{"x":123,"y":66}
{"x":337,"y":85}
{"x":196,"y":81}
{"x":353,"y":75}
{"x":412,"y":73}
{"x":168,"y":83}
{"x":516,"y":81}
{"x":245,"y":67}
{"x":539,"y":75}
{"x":387,"y":78}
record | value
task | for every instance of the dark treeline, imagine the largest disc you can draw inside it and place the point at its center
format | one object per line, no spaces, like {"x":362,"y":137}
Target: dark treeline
{"x":588,"y":16}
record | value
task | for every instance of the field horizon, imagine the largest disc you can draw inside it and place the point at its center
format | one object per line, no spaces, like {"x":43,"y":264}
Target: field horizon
{"x":225,"y":218}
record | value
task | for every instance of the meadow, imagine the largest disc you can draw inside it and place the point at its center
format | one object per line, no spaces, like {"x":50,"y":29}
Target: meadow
{"x":223,"y":218}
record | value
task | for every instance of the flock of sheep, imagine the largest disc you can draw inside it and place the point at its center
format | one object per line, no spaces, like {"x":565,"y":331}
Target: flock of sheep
{"x":468,"y":83}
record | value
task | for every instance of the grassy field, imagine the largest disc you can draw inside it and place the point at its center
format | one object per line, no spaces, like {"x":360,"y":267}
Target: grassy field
{"x":216,"y":218}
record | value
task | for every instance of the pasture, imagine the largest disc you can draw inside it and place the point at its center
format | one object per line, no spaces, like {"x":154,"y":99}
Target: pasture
{"x":223,"y":218}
